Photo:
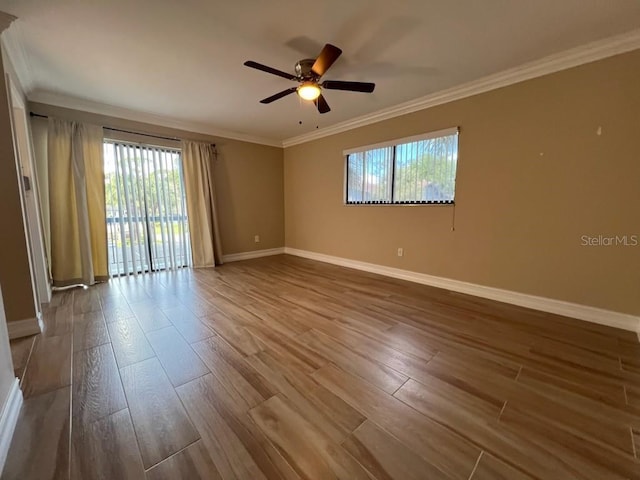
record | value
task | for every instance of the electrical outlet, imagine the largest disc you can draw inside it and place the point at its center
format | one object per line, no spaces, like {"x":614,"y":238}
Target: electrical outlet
{"x":256,"y":239}
{"x":401,"y":252}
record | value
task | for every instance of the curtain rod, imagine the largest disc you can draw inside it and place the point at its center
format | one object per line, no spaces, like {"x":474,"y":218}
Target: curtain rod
{"x":32,"y":114}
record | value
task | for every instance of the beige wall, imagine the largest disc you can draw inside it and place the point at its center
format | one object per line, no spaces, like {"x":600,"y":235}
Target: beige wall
{"x":249,"y":179}
{"x":15,"y":273}
{"x":533,"y":177}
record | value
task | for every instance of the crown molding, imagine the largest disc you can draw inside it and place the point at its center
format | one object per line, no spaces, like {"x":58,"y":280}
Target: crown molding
{"x":6,"y":19}
{"x":574,"y":57}
{"x":75,"y":103}
{"x":13,"y":43}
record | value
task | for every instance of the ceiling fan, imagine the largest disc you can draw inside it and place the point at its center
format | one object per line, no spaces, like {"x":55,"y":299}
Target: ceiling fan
{"x":308,"y":74}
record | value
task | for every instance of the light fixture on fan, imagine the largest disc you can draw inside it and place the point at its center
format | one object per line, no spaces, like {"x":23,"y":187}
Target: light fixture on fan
{"x":309,"y":91}
{"x":308,"y":74}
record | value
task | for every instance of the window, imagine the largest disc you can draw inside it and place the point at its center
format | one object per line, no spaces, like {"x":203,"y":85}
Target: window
{"x":415,"y":170}
{"x":147,"y":228}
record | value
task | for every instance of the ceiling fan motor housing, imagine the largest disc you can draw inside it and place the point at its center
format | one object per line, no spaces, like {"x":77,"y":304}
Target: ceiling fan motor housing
{"x":303,"y":69}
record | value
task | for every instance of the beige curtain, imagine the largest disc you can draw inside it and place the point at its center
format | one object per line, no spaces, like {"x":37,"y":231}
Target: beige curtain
{"x":197,"y":164}
{"x":77,"y":204}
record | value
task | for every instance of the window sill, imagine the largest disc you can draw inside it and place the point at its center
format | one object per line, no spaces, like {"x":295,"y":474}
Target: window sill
{"x":399,"y":204}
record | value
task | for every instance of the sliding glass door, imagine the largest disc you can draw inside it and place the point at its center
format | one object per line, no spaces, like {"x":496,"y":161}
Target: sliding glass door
{"x":147,"y":227}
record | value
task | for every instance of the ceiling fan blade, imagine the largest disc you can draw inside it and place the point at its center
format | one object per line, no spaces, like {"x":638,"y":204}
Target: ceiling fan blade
{"x":279,"y":95}
{"x":273,"y":71}
{"x":321,"y":103}
{"x":328,"y":55}
{"x":349,"y":86}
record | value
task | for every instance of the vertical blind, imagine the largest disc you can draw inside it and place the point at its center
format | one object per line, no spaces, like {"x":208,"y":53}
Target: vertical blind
{"x":415,"y":171}
{"x":147,"y":225}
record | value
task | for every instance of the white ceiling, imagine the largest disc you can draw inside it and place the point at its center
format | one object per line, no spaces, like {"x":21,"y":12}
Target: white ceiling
{"x":184,"y":60}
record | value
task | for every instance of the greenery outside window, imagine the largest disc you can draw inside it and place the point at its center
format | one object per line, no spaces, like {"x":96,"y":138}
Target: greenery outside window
{"x":409,"y":171}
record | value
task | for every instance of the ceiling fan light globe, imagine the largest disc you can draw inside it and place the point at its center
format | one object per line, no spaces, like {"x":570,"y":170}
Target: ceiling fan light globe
{"x":309,"y":91}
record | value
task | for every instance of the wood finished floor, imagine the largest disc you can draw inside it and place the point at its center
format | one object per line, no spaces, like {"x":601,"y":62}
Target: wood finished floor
{"x":285,"y":368}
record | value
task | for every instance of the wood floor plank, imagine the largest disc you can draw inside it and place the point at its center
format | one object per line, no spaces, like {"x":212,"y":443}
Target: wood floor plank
{"x":507,"y":439}
{"x":490,"y":468}
{"x":86,"y":300}
{"x":407,"y":380}
{"x":179,"y":361}
{"x":40,"y":445}
{"x":574,"y":386}
{"x":61,"y":298}
{"x":49,"y":365}
{"x":546,"y":350}
{"x":233,"y":331}
{"x":20,"y":352}
{"x":200,"y":307}
{"x":236,"y":296}
{"x":633,"y":395}
{"x":325,"y":410}
{"x":463,"y":402}
{"x":395,"y":358}
{"x":311,"y":453}
{"x":386,"y":457}
{"x":89,"y":330}
{"x":414,"y":340}
{"x":235,"y":445}
{"x":188,"y":324}
{"x":247,"y":386}
{"x":161,"y":424}
{"x":448,"y":452}
{"x":97,"y":390}
{"x":193,"y":463}
{"x":588,"y":459}
{"x":129,"y":342}
{"x":288,"y":321}
{"x":358,"y":320}
{"x":496,"y":389}
{"x":117,"y":310}
{"x":149,"y":316}
{"x":293,"y":351}
{"x":107,"y":449}
{"x":57,"y":321}
{"x":379,"y":375}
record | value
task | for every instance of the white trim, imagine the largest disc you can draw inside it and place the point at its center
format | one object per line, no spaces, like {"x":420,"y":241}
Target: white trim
{"x":582,"y":312}
{"x":589,"y":52}
{"x":400,"y":141}
{"x":26,"y":327}
{"x":74,"y":103}
{"x":236,"y":257}
{"x":6,"y":19}
{"x":9,"y":419}
{"x":13,"y":44}
{"x":574,"y":57}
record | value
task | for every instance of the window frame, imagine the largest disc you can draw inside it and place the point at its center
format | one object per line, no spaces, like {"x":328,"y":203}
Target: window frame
{"x":153,"y":265}
{"x":394,"y":144}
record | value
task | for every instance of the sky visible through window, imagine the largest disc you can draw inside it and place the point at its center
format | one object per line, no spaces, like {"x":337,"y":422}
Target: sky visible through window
{"x":423,"y":171}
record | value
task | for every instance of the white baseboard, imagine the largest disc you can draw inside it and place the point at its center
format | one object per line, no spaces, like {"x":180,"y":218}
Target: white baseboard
{"x":26,"y":327}
{"x":574,"y":310}
{"x":9,"y":419}
{"x":236,"y":257}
